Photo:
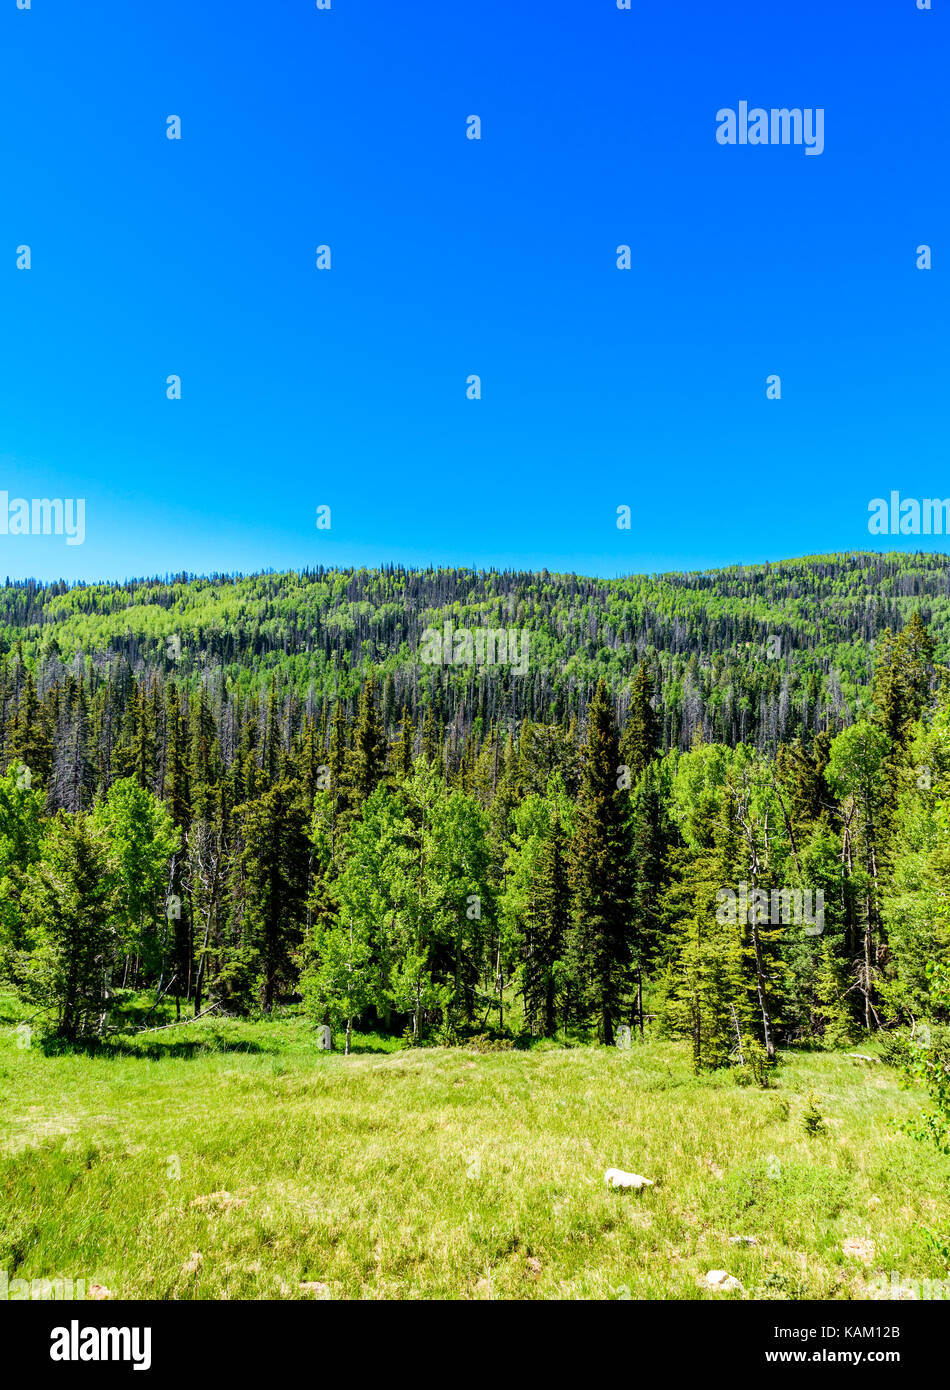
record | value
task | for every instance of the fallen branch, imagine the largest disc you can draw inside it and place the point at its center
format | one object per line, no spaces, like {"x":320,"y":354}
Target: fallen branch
{"x":179,"y":1024}
{"x":863,"y":1055}
{"x":161,"y":996}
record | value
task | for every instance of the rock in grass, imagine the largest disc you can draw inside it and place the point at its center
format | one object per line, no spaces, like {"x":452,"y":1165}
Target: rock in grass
{"x":743,"y":1240}
{"x":616,"y":1177}
{"x":723,"y":1282}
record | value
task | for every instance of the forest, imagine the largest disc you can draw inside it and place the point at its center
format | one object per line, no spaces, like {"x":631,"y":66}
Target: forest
{"x":239,"y":793}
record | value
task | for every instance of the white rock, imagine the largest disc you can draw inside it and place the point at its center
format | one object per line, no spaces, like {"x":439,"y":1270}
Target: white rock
{"x":722,"y":1281}
{"x":616,"y":1177}
{"x":743,"y":1240}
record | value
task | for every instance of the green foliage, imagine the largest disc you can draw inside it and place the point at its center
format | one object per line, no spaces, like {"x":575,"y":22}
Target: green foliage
{"x":833,"y":1018}
{"x":601,"y":878}
{"x":272,"y":874}
{"x":927,"y":1064}
{"x":21,"y":838}
{"x":73,"y":899}
{"x":142,"y":838}
{"x":535,"y":903}
{"x":756,"y":1066}
{"x":408,"y":1174}
{"x":293,"y":806}
{"x":813,"y":1121}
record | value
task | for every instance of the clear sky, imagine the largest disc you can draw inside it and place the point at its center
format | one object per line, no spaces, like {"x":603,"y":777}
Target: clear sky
{"x":451,"y":257}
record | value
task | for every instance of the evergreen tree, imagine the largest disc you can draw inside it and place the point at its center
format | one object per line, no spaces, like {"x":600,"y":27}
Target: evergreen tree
{"x":704,"y":995}
{"x":176,"y":790}
{"x":366,"y":761}
{"x":641,"y":735}
{"x":600,"y":875}
{"x":29,"y":743}
{"x":401,"y":754}
{"x":652,"y":836}
{"x":72,"y":901}
{"x":273,"y":865}
{"x":548,"y":927}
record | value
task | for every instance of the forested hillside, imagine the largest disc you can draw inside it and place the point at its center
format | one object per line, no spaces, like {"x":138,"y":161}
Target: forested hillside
{"x":714,"y":805}
{"x":752,"y":654}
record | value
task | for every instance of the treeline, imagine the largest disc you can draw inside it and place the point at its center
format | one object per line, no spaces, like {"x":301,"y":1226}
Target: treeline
{"x":542,"y":876}
{"x":758,"y":655}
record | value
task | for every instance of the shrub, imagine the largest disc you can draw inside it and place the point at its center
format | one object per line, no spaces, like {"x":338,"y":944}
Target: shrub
{"x":813,"y":1122}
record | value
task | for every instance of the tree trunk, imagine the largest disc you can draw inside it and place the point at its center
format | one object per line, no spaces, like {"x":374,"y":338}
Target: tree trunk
{"x":500,"y":986}
{"x":550,"y":1019}
{"x":760,"y":991}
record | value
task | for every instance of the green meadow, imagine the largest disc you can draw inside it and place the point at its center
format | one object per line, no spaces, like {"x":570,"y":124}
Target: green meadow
{"x":234,"y":1160}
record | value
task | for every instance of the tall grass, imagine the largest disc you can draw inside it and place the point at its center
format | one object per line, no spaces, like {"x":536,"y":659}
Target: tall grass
{"x":233,"y":1160}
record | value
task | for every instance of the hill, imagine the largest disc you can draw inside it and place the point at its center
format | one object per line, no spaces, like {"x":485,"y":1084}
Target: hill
{"x":754,"y":653}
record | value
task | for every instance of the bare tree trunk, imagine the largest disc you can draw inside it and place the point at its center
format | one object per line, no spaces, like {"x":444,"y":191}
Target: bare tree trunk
{"x":199,"y":977}
{"x":760,"y":991}
{"x":735,"y":1019}
{"x":499,"y":982}
{"x":867,"y":964}
{"x":760,"y":980}
{"x":788,"y":826}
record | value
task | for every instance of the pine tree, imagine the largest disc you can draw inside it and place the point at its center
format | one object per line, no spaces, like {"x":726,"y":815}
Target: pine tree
{"x":641,"y":735}
{"x":314,"y":771}
{"x":204,"y":758}
{"x":270,"y":762}
{"x":431,"y":736}
{"x":339,"y":791}
{"x":704,"y":995}
{"x":366,"y":761}
{"x":549,"y":925}
{"x":135,"y":751}
{"x":274,"y":863}
{"x":832,"y":1015}
{"x":176,"y":790}
{"x":401,"y":753}
{"x":651,"y":836}
{"x":903,"y":676}
{"x":72,"y":901}
{"x":30,"y":743}
{"x":600,"y":875}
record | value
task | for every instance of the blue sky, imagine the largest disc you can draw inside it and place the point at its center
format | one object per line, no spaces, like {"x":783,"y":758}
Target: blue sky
{"x":453,"y":257}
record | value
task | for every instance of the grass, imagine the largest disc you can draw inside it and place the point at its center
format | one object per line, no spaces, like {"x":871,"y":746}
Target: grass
{"x":443,"y":1173}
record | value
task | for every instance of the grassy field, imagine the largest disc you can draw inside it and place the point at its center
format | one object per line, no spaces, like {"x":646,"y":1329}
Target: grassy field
{"x":232,"y":1160}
